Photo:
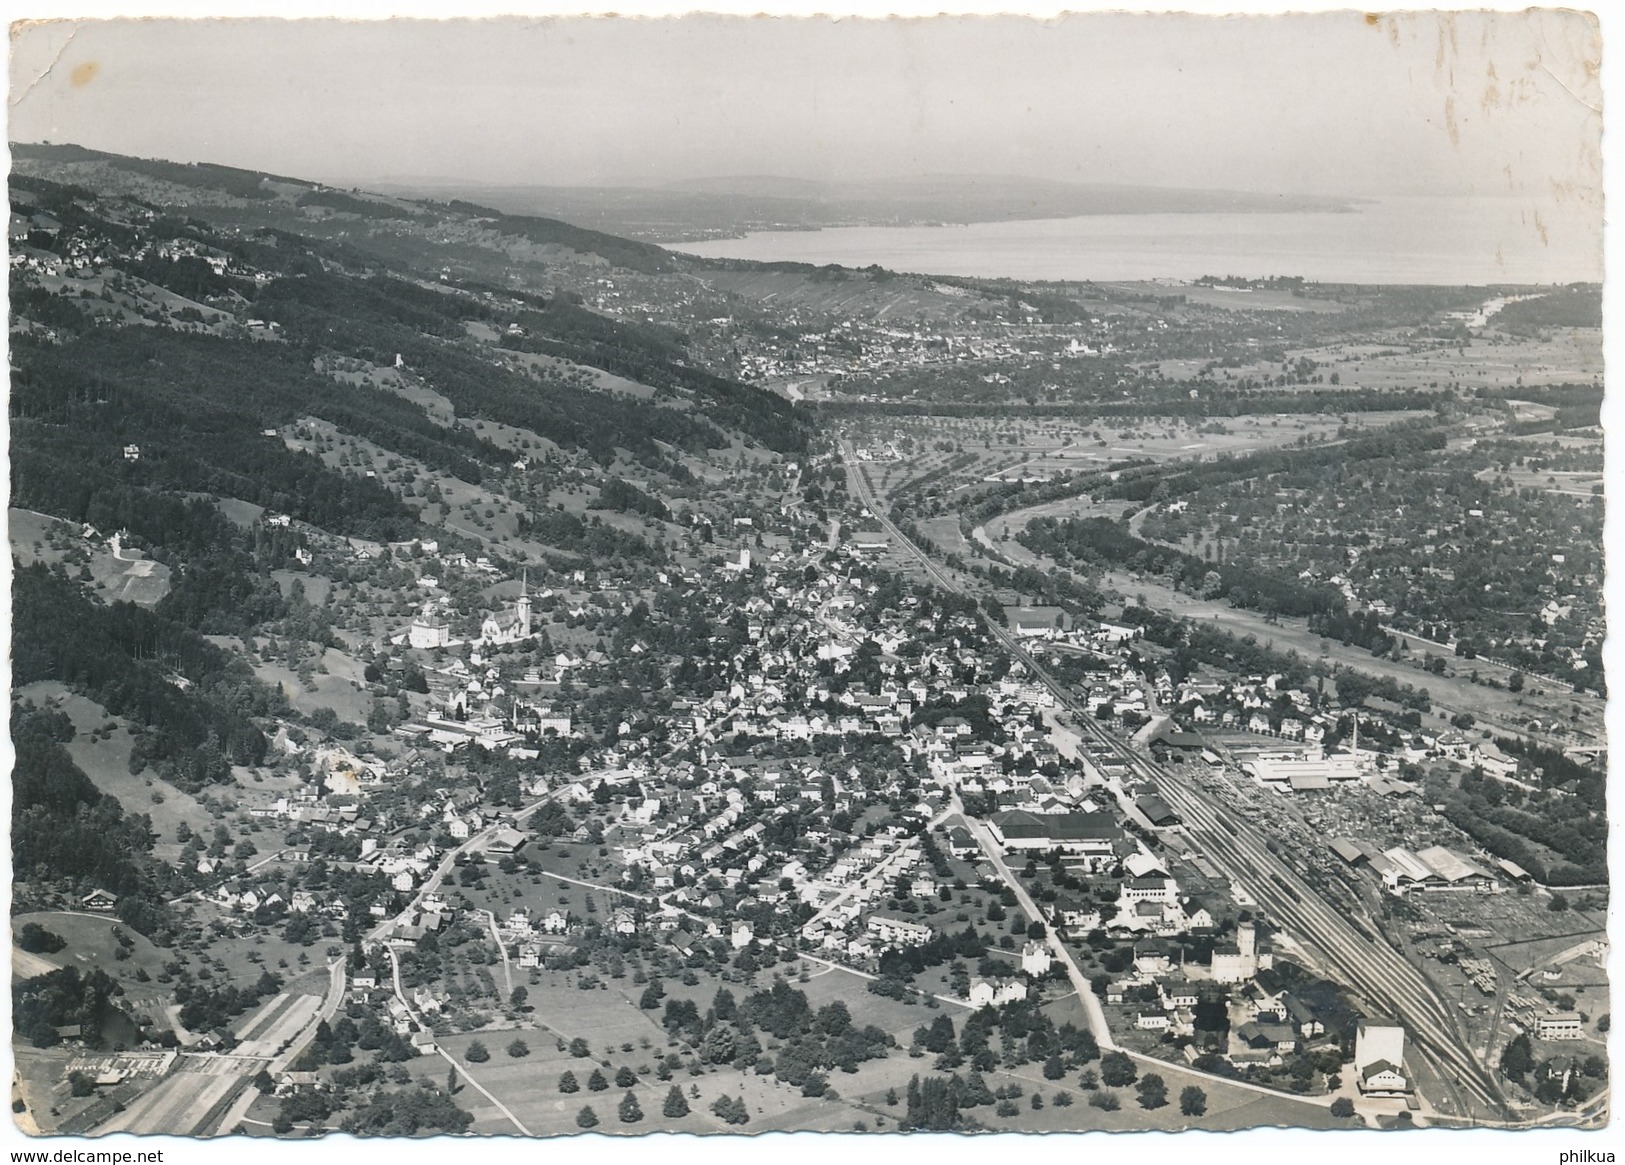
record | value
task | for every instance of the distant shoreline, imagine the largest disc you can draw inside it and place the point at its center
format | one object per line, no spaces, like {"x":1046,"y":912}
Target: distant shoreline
{"x":1414,"y":240}
{"x":676,"y":241}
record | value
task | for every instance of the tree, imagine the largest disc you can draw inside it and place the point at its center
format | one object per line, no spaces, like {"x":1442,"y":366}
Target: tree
{"x":1518,"y":1058}
{"x":35,"y":939}
{"x":626,"y":1078}
{"x":596,"y":1081}
{"x":732,"y":1111}
{"x":567,"y":1083}
{"x":1117,"y":1070}
{"x":477,"y":1053}
{"x":1558,"y":904}
{"x":676,"y":1104}
{"x":630,"y":1111}
{"x":517,"y":999}
{"x":1342,"y":1107}
{"x":587,"y":1118}
{"x":1153,"y":1091}
{"x":1054,"y":1067}
{"x":518,"y":1048}
{"x":1192,"y":1101}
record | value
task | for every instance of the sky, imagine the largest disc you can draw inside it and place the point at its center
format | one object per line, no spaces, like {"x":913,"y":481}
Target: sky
{"x":1482,"y":103}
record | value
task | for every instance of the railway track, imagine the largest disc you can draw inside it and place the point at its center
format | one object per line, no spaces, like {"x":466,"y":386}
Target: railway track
{"x":1369,"y":964}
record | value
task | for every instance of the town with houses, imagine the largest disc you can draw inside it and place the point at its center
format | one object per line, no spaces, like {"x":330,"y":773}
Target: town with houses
{"x":815,"y":749}
{"x":869,"y":758}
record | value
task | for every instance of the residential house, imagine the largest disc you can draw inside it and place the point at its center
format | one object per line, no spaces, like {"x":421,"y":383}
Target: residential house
{"x":996,"y":992}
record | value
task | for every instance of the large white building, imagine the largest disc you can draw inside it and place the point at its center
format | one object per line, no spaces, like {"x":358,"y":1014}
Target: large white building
{"x":427,"y":631}
{"x":1035,"y":959}
{"x":1237,"y":962}
{"x":1379,"y":1058}
{"x":900,"y":931}
{"x":508,"y":628}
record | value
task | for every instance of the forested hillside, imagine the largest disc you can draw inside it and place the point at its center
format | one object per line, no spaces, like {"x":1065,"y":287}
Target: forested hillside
{"x":214,"y":370}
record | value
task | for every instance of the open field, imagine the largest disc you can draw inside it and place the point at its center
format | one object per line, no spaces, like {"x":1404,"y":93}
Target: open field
{"x":946,"y":536}
{"x":129,"y":579}
{"x":91,"y":945}
{"x":104,"y":757}
{"x":132,"y":578}
{"x":529,"y":1085}
{"x":236,"y":951}
{"x":238,"y":512}
{"x":1568,"y":355}
{"x":597,"y":377}
{"x":1230,"y":298}
{"x":402,"y":383}
{"x":338,"y":687}
{"x":1531,"y":957}
{"x":1573,"y":483}
{"x":31,"y":535}
{"x":316,"y":587}
{"x":967,"y":451}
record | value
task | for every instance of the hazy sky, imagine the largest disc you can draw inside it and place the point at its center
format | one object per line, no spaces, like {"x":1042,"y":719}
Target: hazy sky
{"x":1471,"y":103}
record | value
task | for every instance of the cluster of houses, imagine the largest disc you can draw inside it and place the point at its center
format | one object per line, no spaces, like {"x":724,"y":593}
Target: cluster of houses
{"x":855,"y":346}
{"x":1268,"y":1019}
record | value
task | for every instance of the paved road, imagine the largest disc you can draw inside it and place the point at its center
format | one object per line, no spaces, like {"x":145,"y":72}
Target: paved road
{"x":1080,"y":982}
{"x":502,"y":949}
{"x":460,"y":1069}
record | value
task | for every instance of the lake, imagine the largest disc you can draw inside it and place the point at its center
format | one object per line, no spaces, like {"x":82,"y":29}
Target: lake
{"x":1390,"y":240}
